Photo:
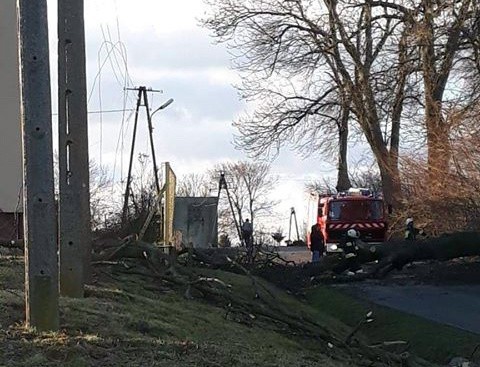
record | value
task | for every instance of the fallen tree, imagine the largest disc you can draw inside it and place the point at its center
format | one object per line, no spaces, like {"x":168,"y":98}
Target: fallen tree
{"x":379,"y":260}
{"x":391,"y":255}
{"x":395,"y":254}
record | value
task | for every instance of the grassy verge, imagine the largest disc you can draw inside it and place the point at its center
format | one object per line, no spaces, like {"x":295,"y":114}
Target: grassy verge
{"x":134,"y":320}
{"x":427,"y":339}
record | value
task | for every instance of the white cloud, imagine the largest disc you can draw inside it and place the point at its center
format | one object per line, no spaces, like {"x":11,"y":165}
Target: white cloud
{"x":163,"y":17}
{"x":213,"y":75}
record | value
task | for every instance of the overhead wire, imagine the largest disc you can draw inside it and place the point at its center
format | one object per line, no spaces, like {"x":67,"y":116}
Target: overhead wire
{"x":100,"y":105}
{"x":127,"y":80}
{"x":118,"y":110}
{"x":111,"y":52}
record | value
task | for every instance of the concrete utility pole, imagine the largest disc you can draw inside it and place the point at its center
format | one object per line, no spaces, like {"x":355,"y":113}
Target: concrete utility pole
{"x":41,"y":265}
{"x":74,"y":209}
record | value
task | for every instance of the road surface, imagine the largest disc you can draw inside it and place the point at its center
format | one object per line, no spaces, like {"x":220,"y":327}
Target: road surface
{"x":454,"y":305}
{"x":299,"y":254}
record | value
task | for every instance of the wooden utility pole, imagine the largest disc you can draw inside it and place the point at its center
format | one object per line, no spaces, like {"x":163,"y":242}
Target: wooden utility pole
{"x":130,"y":162}
{"x":222,"y":184}
{"x":74,"y":207}
{"x":142,"y":95}
{"x":41,"y":265}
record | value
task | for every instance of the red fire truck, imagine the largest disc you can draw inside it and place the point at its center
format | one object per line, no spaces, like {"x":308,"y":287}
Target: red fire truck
{"x":356,"y":208}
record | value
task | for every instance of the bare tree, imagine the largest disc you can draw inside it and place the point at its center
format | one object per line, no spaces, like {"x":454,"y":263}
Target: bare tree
{"x":445,"y":36}
{"x":317,"y":65}
{"x":141,"y":200}
{"x":323,"y":186}
{"x":102,"y":201}
{"x":302,"y":104}
{"x":360,"y":176}
{"x":100,"y":195}
{"x":250,"y":185}
{"x":195,"y":184}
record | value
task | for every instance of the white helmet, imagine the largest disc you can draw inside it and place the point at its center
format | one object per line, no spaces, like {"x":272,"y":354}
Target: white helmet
{"x":353,"y":233}
{"x":408,"y":221}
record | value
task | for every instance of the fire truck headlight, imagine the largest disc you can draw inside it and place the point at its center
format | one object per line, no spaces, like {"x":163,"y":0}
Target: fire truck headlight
{"x":333,"y":247}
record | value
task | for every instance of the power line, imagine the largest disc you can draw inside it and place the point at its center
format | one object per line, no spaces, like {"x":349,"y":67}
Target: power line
{"x":105,"y":111}
{"x":116,"y":56}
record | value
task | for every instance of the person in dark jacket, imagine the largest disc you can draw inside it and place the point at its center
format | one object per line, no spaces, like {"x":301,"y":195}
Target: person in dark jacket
{"x":317,"y":243}
{"x":247,"y":234}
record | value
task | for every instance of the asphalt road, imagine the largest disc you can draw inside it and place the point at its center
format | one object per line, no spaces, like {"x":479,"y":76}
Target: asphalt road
{"x":299,"y":254}
{"x":455,"y":305}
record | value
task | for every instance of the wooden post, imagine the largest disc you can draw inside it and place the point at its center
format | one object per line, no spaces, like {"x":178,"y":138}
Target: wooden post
{"x":41,"y":265}
{"x":150,"y":134}
{"x":130,"y":163}
{"x":74,"y":206}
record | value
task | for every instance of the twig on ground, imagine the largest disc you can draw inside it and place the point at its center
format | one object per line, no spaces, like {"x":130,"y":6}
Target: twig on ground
{"x":14,"y":293}
{"x":252,"y":278}
{"x":106,"y":263}
{"x":367,"y":319}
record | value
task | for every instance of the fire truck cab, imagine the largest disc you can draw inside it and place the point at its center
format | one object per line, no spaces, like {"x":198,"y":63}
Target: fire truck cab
{"x":357,"y":208}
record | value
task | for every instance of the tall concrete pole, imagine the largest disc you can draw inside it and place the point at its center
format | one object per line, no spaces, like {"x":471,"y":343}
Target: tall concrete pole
{"x":41,"y":265}
{"x":74,"y":208}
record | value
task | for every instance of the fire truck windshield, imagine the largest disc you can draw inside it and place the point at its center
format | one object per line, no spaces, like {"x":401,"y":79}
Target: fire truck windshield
{"x":352,"y":210}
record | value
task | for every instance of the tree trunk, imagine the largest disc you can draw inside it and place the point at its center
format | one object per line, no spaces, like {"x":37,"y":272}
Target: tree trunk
{"x":395,"y":254}
{"x":434,"y":81}
{"x":390,"y":183}
{"x":438,"y":134}
{"x":366,"y":110}
{"x":343,"y":181}
{"x":387,"y":163}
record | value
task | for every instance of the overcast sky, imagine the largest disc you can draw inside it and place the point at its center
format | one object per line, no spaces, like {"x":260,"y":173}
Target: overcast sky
{"x":166,"y":49}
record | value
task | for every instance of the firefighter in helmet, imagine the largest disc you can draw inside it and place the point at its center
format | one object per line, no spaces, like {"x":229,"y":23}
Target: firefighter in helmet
{"x":350,"y":248}
{"x":410,"y":231}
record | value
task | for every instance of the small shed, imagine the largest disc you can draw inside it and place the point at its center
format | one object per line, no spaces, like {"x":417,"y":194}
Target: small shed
{"x":196,"y":218}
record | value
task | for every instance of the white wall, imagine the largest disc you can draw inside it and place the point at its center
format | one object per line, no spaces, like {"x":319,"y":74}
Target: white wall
{"x":10,"y":131}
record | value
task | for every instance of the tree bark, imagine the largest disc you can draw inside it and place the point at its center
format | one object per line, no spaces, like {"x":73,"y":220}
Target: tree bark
{"x":343,"y":181}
